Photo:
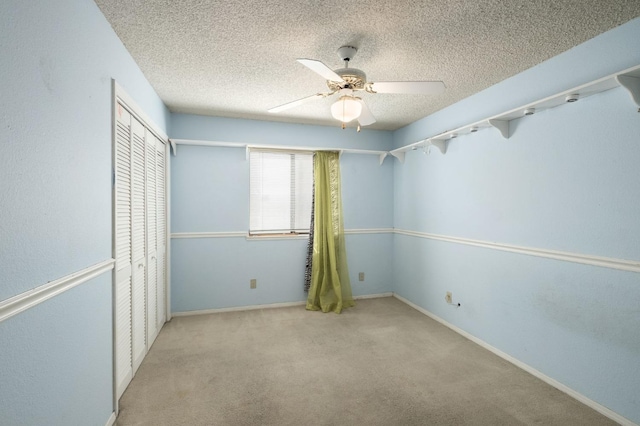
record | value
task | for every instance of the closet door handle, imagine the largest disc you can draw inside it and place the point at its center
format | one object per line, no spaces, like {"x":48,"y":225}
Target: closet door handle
{"x":153,"y":258}
{"x":140,"y":266}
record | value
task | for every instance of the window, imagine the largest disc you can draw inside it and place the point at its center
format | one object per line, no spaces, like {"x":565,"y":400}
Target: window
{"x":281,"y":191}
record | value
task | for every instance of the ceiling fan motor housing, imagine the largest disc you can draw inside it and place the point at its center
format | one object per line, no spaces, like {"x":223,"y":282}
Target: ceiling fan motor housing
{"x":354,"y":78}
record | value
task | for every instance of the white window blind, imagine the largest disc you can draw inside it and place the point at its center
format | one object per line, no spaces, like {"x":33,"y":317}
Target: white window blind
{"x":281,"y":191}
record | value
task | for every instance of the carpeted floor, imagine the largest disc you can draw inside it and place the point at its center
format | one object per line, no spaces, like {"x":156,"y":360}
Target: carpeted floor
{"x":380,"y":363}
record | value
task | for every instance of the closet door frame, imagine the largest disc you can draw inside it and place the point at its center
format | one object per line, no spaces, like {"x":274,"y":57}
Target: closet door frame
{"x":120,"y":96}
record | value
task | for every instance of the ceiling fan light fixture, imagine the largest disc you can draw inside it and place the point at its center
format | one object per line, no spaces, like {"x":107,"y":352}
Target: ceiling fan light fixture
{"x":346,"y":109}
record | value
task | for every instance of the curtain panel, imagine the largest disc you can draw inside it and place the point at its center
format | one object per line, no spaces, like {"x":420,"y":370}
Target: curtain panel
{"x":330,"y":288}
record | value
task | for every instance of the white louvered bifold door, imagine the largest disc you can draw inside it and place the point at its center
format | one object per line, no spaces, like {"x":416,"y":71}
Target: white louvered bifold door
{"x":122,"y":165}
{"x":161,"y":217}
{"x":138,"y":220}
{"x":152,"y":240}
{"x":139,"y":242}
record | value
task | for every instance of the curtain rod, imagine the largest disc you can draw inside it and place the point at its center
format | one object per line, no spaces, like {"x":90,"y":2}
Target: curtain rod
{"x":174,"y":142}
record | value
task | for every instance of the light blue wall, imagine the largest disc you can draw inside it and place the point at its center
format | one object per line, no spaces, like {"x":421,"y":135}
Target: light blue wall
{"x":55,"y":361}
{"x":58,"y":59}
{"x":187,"y":126}
{"x":55,"y":156}
{"x":567,"y":179}
{"x":210,"y":193}
{"x":608,"y":53}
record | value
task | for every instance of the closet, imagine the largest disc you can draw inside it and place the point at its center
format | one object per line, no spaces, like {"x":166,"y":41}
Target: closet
{"x":139,"y":240}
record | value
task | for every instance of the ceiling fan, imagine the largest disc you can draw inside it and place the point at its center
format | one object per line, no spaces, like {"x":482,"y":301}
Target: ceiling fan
{"x":348,"y":81}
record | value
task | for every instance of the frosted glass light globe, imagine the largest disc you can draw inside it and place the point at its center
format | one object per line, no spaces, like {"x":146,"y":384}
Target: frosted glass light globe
{"x":346,"y":108}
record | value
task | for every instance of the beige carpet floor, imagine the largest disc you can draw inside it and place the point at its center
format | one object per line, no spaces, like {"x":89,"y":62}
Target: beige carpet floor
{"x":380,"y":363}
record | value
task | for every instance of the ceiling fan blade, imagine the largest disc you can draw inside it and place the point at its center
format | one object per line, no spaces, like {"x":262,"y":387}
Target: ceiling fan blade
{"x":288,"y":105}
{"x":320,"y":68}
{"x":366,"y":117}
{"x":409,"y":87}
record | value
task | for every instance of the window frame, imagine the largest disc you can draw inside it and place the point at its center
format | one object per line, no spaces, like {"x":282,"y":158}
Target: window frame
{"x":274,"y":235}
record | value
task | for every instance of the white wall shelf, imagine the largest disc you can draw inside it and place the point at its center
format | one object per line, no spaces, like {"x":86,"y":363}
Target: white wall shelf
{"x":629,"y":79}
{"x":174,"y":142}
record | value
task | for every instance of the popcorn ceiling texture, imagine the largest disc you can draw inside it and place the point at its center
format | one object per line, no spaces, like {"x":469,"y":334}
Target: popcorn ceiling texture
{"x":237,"y":58}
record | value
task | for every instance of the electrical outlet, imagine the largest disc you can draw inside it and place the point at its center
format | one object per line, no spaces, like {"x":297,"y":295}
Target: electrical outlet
{"x":361,"y":276}
{"x":253,"y":283}
{"x":448,"y":298}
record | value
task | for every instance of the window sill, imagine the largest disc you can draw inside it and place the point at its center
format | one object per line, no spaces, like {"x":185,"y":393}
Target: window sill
{"x":270,"y":237}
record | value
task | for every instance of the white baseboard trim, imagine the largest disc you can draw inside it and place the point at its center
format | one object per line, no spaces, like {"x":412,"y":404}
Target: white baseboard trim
{"x":265,"y":306}
{"x":236,"y":309}
{"x":373,"y":296}
{"x":31,"y":298}
{"x":368,"y":231}
{"x":606,"y":262}
{"x":556,"y":384}
{"x":112,"y":420}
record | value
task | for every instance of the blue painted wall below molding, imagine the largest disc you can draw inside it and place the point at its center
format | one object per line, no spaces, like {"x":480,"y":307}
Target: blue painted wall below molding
{"x":56,"y":359}
{"x":577,"y":324}
{"x":213,"y":273}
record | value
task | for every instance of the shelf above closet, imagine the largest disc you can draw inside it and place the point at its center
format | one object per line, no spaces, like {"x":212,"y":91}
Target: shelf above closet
{"x":629,"y":79}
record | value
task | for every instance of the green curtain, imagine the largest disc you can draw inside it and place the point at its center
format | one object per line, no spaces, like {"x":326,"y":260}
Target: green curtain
{"x":330,"y":286}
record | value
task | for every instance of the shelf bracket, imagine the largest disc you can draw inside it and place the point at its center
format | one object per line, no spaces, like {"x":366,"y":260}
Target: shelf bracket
{"x":502,"y":126}
{"x":174,"y":147}
{"x":632,"y":84}
{"x":438,"y":143}
{"x":399,"y":155}
{"x":382,"y":157}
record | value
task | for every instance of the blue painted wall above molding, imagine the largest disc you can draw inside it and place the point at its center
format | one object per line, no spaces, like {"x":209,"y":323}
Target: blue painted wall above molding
{"x":55,"y":155}
{"x":198,"y":127}
{"x":606,"y":54}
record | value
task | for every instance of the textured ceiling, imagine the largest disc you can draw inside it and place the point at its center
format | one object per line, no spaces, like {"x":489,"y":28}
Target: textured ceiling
{"x":238,"y":58}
